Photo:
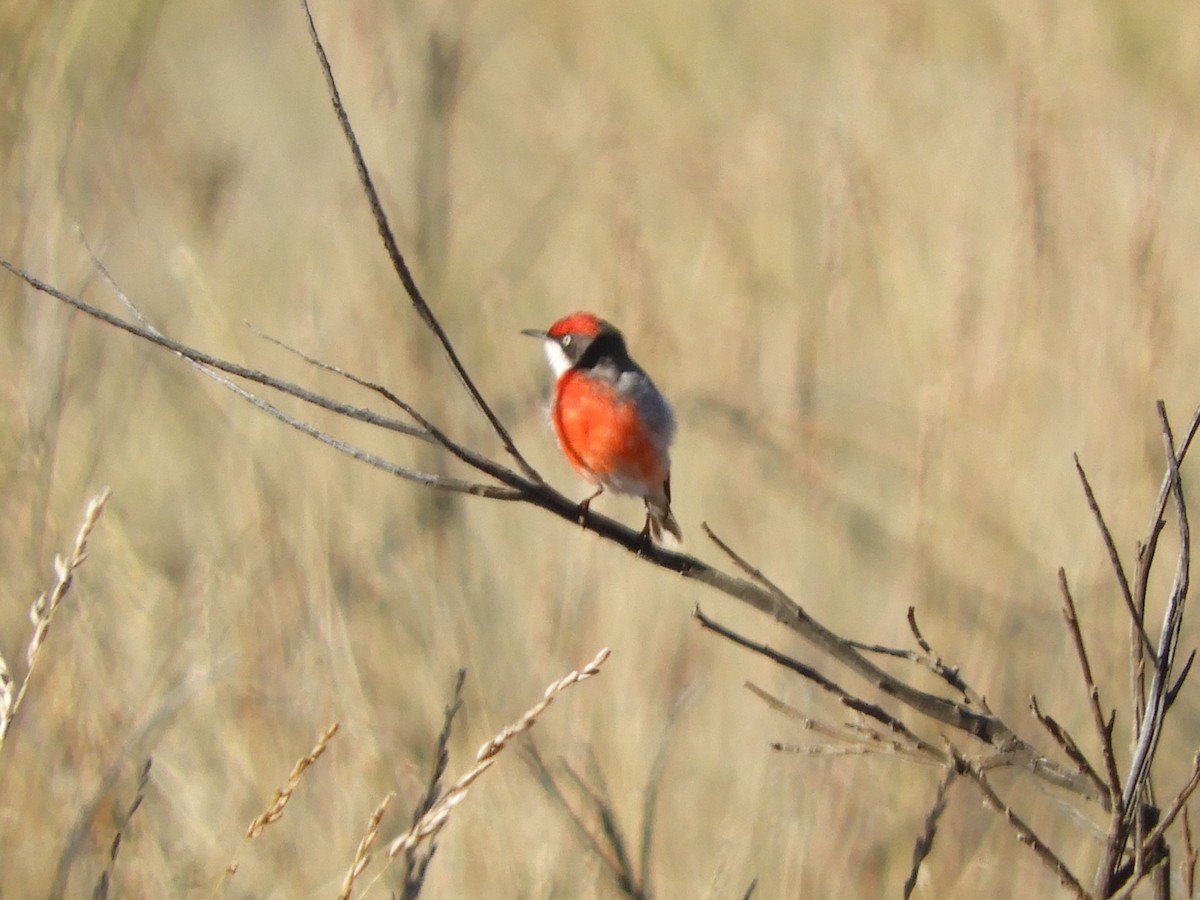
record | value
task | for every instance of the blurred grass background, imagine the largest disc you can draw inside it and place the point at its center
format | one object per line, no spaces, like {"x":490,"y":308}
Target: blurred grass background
{"x":894,"y":263}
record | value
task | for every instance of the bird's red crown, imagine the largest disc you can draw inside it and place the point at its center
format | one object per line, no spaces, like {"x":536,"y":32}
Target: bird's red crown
{"x":584,"y":323}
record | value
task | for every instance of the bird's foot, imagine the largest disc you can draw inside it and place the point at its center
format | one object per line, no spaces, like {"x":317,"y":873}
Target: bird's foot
{"x":581,"y":513}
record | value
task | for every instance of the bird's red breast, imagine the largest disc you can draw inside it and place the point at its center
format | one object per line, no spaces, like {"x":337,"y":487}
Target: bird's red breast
{"x":602,"y":434}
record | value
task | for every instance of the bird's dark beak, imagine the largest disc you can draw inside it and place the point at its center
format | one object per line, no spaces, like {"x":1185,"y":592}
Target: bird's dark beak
{"x":535,"y":333}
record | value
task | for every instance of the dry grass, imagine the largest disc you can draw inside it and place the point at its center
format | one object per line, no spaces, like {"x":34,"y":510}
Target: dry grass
{"x":893,"y":263}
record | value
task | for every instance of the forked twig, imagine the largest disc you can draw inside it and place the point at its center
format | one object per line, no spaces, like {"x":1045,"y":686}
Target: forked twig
{"x":1025,"y":834}
{"x":1143,"y":756}
{"x":1069,"y":745}
{"x":871,"y":710}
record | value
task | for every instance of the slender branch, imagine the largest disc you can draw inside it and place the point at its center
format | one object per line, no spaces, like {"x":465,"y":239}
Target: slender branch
{"x":1112,"y":778}
{"x":1139,"y":770}
{"x":1025,"y":834}
{"x":397,"y":258}
{"x":857,"y":704}
{"x":1177,"y":805}
{"x":194,"y":355}
{"x":1113,"y":555}
{"x":1068,"y":744}
{"x":924,"y":843}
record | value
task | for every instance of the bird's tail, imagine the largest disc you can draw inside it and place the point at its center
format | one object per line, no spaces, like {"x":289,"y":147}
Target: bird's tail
{"x":661,"y":520}
{"x":662,"y":523}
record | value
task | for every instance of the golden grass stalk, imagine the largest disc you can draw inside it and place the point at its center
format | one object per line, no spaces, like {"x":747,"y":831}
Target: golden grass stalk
{"x":428,"y":826}
{"x":431,"y":823}
{"x":362,"y":856}
{"x":279,"y":802}
{"x":41,"y":614}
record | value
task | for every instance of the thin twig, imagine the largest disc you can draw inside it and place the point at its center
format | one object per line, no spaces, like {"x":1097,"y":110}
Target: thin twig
{"x":787,"y":605}
{"x":1139,"y":770}
{"x":924,"y":842}
{"x":1113,"y":555}
{"x":1103,"y":733}
{"x":1025,"y":834}
{"x":859,"y":705}
{"x":1177,"y":805}
{"x":397,"y":258}
{"x":1068,"y":744}
{"x":935,"y":663}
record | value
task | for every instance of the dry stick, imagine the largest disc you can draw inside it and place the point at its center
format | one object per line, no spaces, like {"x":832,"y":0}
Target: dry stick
{"x":984,"y":725}
{"x":426,"y":430}
{"x":1114,"y":557}
{"x":1068,"y":744}
{"x":1188,"y":864}
{"x":926,"y":658}
{"x":857,"y":704}
{"x":279,"y":802}
{"x":1024,"y":833}
{"x":845,"y":741}
{"x":1177,"y":805}
{"x":1143,"y":757}
{"x":207,"y":361}
{"x":397,"y":258}
{"x":437,"y":436}
{"x":1103,"y":732}
{"x":1115,"y":845}
{"x":935,"y":663}
{"x":1146,"y":556}
{"x":42,"y":614}
{"x":924,"y":842}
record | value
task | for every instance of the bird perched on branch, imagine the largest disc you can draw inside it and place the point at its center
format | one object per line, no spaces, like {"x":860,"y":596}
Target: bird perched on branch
{"x":612,"y":424}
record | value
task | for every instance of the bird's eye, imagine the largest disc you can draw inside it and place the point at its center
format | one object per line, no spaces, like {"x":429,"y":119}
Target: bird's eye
{"x":566,"y":341}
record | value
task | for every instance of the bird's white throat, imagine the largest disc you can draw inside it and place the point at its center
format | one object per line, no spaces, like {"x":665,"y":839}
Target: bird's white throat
{"x":556,"y":356}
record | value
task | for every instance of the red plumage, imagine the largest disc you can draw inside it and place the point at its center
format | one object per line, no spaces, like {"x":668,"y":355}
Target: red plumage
{"x":613,"y":425}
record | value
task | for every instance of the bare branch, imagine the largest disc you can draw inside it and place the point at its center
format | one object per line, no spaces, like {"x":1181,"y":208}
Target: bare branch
{"x":1025,"y":834}
{"x":1177,"y":805}
{"x":1113,"y":556}
{"x":1104,"y":733}
{"x":1068,"y":744}
{"x":397,"y":258}
{"x":1139,"y":770}
{"x":925,"y":841}
{"x":857,"y":704}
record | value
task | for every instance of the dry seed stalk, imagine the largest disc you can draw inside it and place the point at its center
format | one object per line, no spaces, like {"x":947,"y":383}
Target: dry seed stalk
{"x":41,"y":614}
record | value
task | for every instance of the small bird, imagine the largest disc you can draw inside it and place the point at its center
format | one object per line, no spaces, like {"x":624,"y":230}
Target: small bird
{"x":612,"y":424}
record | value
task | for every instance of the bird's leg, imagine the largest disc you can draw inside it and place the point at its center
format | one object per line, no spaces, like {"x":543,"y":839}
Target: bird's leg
{"x":587,"y":501}
{"x":645,"y":543}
